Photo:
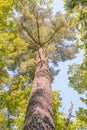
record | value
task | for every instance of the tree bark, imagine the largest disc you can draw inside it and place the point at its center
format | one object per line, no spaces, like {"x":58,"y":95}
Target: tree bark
{"x":39,"y":115}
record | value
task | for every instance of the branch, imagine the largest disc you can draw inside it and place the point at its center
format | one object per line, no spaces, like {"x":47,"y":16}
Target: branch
{"x":38,"y":31}
{"x":69,"y":117}
{"x":51,"y":36}
{"x":29,"y":34}
{"x":29,"y":41}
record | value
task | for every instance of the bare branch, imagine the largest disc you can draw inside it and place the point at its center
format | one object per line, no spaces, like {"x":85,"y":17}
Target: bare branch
{"x":69,"y":116}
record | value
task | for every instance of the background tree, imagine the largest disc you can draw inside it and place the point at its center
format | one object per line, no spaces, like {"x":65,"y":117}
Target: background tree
{"x":78,"y":72}
{"x":78,"y":10}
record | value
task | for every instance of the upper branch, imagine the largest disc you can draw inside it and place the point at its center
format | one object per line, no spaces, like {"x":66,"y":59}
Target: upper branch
{"x":51,"y":36}
{"x":29,"y":34}
{"x":38,"y":31}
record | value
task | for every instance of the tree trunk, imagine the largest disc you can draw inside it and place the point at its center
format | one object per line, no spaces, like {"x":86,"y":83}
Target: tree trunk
{"x":39,"y":114}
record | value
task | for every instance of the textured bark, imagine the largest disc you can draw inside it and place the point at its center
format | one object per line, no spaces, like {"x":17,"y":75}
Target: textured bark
{"x":39,"y":114}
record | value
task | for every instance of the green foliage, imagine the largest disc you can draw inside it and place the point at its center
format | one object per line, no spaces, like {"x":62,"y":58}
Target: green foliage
{"x":78,"y":72}
{"x":78,"y":10}
{"x":78,"y":81}
{"x":58,"y":116}
{"x":3,"y":121}
{"x":14,"y":103}
{"x":5,"y":7}
{"x":77,"y":125}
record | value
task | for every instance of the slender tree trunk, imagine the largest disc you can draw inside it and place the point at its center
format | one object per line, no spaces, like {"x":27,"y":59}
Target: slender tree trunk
{"x":39,"y":114}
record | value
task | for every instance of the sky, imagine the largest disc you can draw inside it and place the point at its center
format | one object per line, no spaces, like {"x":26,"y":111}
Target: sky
{"x":58,"y":6}
{"x":61,"y":80}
